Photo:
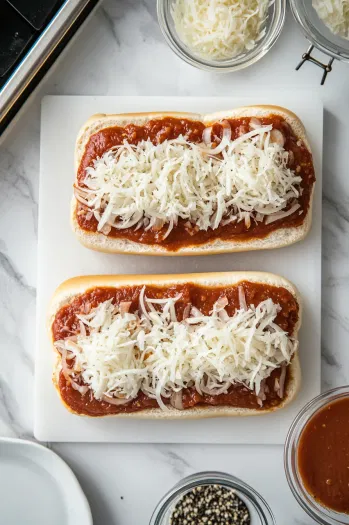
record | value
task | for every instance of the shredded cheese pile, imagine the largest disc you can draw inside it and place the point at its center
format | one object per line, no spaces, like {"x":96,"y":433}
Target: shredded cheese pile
{"x":120,"y":354}
{"x":149,"y":186}
{"x":334,"y":14}
{"x":220,"y":29}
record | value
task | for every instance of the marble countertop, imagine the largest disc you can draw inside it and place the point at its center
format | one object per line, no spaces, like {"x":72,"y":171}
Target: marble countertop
{"x":120,"y":51}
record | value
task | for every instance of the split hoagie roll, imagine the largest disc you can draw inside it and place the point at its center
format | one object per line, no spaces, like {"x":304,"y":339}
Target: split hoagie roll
{"x":176,"y":346}
{"x":189,"y":184}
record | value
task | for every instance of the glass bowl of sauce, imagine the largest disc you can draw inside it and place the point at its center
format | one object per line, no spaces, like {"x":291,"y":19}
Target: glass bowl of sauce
{"x":212,"y":498}
{"x":317,"y":457}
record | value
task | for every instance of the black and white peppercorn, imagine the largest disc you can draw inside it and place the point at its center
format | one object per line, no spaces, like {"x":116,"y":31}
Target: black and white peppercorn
{"x":210,"y":505}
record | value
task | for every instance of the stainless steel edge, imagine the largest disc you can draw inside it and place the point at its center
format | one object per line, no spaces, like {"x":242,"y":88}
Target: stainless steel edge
{"x":39,"y":53}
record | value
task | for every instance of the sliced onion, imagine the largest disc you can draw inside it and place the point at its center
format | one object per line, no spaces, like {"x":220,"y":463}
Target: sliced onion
{"x":186,"y":311}
{"x":261,"y":397}
{"x":125,"y":307}
{"x":80,"y":191}
{"x":276,"y":385}
{"x":87,"y":308}
{"x":128,"y":224}
{"x":226,"y":130}
{"x":83,"y":389}
{"x":233,"y":144}
{"x":163,"y":301}
{"x":277,"y":137}
{"x":223,"y":315}
{"x":194,"y":320}
{"x":206,"y":135}
{"x":231,"y":219}
{"x":221,"y":303}
{"x":192,"y":230}
{"x":242,"y":298}
{"x":71,"y":342}
{"x":282,"y":381}
{"x":139,"y":224}
{"x":262,"y":391}
{"x":67,"y":372}
{"x":106,"y":229}
{"x":176,"y":400}
{"x":158,"y":224}
{"x":118,"y":401}
{"x":206,"y":388}
{"x":142,"y":304}
{"x":242,"y":130}
{"x":218,"y":149}
{"x":82,"y":329}
{"x":247,"y":220}
{"x":255,"y":123}
{"x":79,"y":195}
{"x":259,"y":217}
{"x":281,"y":214}
{"x":60,"y":347}
{"x":97,"y":215}
{"x":195,"y":312}
{"x":290,"y":157}
{"x":81,"y":200}
{"x":169,"y":229}
{"x":89,"y":215}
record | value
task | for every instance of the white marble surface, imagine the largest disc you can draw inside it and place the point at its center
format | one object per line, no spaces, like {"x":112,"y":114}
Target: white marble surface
{"x":121,"y":51}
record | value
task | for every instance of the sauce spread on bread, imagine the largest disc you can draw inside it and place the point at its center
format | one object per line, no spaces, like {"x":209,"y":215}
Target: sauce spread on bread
{"x":239,"y":396}
{"x":323,"y":456}
{"x":66,"y":322}
{"x":159,"y":130}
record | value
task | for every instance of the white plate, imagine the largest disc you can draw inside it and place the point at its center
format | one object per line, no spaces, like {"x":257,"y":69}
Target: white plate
{"x":38,"y":488}
{"x":60,"y":256}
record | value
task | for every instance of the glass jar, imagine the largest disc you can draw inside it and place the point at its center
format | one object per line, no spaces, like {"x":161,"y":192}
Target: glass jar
{"x":319,"y":36}
{"x":259,"y":510}
{"x":319,"y":513}
{"x":317,"y":33}
{"x":274,"y":24}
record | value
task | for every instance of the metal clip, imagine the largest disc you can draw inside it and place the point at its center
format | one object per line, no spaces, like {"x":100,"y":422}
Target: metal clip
{"x":326,"y":67}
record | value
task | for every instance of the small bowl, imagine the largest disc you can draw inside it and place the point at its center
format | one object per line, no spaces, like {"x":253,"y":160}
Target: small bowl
{"x":274,"y":24}
{"x":259,"y":509}
{"x":318,"y":512}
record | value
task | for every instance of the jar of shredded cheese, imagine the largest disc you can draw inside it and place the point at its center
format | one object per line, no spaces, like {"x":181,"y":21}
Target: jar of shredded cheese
{"x":325,"y":23}
{"x":221,"y":35}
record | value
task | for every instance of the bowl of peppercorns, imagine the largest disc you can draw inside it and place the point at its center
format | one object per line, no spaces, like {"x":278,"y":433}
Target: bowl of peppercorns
{"x":212,"y":498}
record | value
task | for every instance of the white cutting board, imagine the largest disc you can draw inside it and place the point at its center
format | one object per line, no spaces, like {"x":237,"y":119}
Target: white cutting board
{"x":60,"y":256}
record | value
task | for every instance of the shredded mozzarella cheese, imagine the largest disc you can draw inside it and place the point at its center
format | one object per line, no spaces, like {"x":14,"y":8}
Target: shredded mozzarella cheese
{"x":220,"y":29}
{"x":334,"y":14}
{"x":122,"y":354}
{"x":149,"y":186}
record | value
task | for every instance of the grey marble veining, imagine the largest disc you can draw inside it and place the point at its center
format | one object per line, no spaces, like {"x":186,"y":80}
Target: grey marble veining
{"x":121,"y":51}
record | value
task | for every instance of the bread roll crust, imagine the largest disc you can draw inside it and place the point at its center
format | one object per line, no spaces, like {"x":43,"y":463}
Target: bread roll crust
{"x":79,"y":285}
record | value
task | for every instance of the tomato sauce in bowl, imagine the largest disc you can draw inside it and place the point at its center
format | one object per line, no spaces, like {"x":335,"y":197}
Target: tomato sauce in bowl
{"x":323,"y":456}
{"x":317,"y":457}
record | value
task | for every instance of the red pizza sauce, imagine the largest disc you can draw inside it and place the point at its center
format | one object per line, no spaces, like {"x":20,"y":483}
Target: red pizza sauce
{"x":66,"y":323}
{"x":157,"y":131}
{"x":323,"y":456}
